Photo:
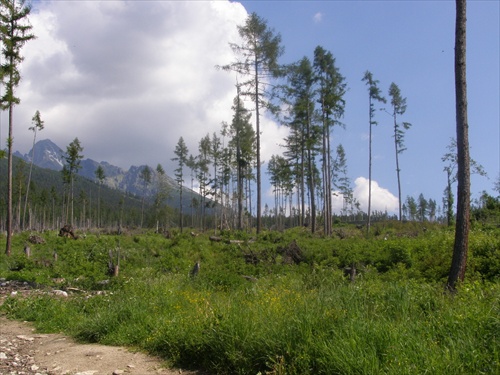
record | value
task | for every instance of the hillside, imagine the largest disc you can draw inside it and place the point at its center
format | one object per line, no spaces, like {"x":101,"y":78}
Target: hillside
{"x":49,"y":156}
{"x":48,"y":179}
{"x":48,"y":199}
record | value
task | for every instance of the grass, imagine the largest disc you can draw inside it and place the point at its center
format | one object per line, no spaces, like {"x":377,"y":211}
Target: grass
{"x":295,"y":319}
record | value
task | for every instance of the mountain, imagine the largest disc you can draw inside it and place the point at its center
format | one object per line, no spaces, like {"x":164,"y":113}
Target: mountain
{"x":47,"y":155}
{"x":50,"y":156}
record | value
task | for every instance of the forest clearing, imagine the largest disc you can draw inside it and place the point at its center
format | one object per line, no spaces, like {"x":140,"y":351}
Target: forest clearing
{"x":277,"y":303}
{"x":319,"y":281}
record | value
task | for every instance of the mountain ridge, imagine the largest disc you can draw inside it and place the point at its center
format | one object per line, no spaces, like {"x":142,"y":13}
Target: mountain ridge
{"x":50,"y":156}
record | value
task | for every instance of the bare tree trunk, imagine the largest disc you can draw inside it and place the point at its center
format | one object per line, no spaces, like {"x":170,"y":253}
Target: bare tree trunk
{"x":329,"y":180}
{"x":257,"y":133}
{"x":8,"y":247}
{"x":180,"y":207}
{"x":325,"y":179}
{"x":302,"y":185}
{"x":368,"y":224}
{"x":460,"y":249}
{"x":397,"y":168}
{"x":310,"y":177}
{"x":29,"y":178}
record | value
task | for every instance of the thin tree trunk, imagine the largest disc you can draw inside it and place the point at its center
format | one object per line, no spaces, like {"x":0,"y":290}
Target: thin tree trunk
{"x":216,"y":207}
{"x":18,"y":216}
{"x":257,"y":130}
{"x":302,"y":184}
{"x":180,"y":206}
{"x":72,"y":202}
{"x":29,"y":177}
{"x":249,"y":195}
{"x":460,"y":249}
{"x":397,"y":166}
{"x":326,"y":181}
{"x":329,"y":179}
{"x":8,"y":247}
{"x":239,"y":166}
{"x":240,"y":198}
{"x":311,"y":180}
{"x":369,"y":172}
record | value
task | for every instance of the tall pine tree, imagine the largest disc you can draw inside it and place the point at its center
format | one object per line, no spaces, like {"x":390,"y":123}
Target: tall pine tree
{"x":462,"y":226}
{"x":242,"y":146}
{"x":331,"y":90}
{"x":37,"y":125}
{"x":181,"y":152}
{"x":15,"y":31}
{"x":374,"y":95}
{"x":398,"y":108}
{"x":73,"y":159}
{"x":257,"y":60}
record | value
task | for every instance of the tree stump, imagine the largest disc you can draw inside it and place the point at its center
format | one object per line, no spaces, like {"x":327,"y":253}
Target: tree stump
{"x":27,"y":251}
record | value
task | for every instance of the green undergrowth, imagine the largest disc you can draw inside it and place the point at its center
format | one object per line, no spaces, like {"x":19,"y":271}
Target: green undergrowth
{"x":246,"y":312}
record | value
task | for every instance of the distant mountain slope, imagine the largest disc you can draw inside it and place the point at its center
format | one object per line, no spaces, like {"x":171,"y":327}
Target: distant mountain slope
{"x":47,"y":155}
{"x":45,"y":179}
{"x":50,"y":156}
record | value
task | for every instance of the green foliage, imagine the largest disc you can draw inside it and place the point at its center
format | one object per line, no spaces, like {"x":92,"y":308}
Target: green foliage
{"x":487,"y":212}
{"x":240,"y":317}
{"x":14,"y":32}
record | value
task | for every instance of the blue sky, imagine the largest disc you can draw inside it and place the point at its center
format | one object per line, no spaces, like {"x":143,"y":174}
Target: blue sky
{"x":410,"y":43}
{"x":128,"y":78}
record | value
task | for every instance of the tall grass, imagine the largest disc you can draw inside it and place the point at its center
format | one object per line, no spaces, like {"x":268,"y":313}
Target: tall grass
{"x":295,"y":319}
{"x":372,"y":327}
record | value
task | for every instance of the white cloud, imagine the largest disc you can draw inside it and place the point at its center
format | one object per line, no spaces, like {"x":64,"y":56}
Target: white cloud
{"x":272,"y":138}
{"x":337,"y":202}
{"x":128,"y":78}
{"x":382,"y":199}
{"x":318,"y":17}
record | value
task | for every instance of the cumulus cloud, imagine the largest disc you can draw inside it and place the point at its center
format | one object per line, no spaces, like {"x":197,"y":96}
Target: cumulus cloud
{"x":271,"y":139}
{"x":129,"y":78}
{"x":337,"y":202}
{"x":382,"y":199}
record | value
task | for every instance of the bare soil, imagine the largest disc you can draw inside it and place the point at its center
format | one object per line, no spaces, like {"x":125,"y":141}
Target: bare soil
{"x":23,"y":351}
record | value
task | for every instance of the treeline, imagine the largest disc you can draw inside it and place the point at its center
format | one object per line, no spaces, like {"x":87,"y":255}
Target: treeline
{"x":46,"y":203}
{"x":307,"y":97}
{"x":97,"y":206}
{"x":47,"y":207}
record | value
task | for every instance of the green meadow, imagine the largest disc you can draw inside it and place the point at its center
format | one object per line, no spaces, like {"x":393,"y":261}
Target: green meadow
{"x":277,"y":303}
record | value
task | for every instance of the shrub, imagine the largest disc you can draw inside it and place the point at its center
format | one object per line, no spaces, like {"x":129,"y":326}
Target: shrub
{"x":294,"y":319}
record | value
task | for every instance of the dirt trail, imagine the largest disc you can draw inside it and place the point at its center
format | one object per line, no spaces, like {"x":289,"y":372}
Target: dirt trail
{"x":25,"y":352}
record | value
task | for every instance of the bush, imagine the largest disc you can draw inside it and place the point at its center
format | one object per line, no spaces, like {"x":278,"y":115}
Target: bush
{"x":305,"y":318}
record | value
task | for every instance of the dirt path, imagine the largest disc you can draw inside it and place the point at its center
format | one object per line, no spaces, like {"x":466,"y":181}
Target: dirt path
{"x":25,"y":352}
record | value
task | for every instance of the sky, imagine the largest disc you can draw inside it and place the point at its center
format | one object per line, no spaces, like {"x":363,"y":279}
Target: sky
{"x":128,"y":78}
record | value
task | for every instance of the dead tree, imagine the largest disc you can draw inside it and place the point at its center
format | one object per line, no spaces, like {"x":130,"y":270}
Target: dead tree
{"x":114,"y":268}
{"x":351,"y":272}
{"x":27,"y":251}
{"x":292,"y":254}
{"x":195,"y":270}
